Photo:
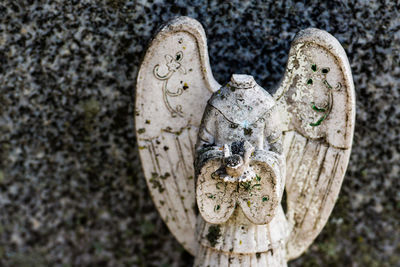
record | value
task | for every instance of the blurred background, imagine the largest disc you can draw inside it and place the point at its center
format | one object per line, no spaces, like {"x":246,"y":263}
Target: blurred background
{"x":72,"y":192}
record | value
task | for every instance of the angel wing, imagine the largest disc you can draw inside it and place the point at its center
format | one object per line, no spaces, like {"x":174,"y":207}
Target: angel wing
{"x":317,"y":99}
{"x":173,"y":86}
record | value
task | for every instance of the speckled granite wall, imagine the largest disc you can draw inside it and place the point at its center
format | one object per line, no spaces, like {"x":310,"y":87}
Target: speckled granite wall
{"x":71,"y":189}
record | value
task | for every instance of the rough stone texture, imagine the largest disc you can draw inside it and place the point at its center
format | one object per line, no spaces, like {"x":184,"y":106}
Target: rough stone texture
{"x":71,"y":189}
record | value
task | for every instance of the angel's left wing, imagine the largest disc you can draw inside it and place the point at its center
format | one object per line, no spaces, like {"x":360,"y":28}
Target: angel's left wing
{"x":173,"y":86}
{"x":317,"y":100}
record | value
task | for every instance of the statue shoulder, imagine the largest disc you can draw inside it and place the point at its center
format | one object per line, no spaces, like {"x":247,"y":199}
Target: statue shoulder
{"x":257,"y":103}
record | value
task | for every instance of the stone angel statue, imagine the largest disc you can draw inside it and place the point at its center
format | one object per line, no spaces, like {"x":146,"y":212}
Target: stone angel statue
{"x":217,"y":159}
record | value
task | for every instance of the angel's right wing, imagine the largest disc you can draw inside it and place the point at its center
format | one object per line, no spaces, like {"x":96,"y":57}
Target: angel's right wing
{"x":317,"y":100}
{"x":173,"y":86}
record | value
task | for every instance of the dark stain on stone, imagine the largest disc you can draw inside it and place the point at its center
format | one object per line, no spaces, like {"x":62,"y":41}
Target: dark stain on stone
{"x":165,"y":176}
{"x":314,"y":67}
{"x":248,"y":131}
{"x":214,"y":233}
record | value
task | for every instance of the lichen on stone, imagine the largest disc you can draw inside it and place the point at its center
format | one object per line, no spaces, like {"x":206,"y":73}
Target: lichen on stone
{"x":214,"y":233}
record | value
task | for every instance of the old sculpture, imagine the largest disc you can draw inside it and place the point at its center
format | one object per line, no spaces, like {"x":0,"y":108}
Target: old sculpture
{"x":217,"y":159}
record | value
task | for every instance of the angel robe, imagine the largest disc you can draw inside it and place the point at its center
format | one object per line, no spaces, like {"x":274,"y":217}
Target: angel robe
{"x":252,"y":227}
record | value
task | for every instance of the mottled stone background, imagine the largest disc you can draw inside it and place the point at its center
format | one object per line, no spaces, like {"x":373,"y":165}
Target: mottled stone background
{"x":71,"y":189}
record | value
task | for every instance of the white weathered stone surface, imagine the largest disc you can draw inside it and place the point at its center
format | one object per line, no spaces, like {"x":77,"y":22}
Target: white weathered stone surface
{"x":301,"y":137}
{"x":318,"y":132}
{"x":174,"y":83}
